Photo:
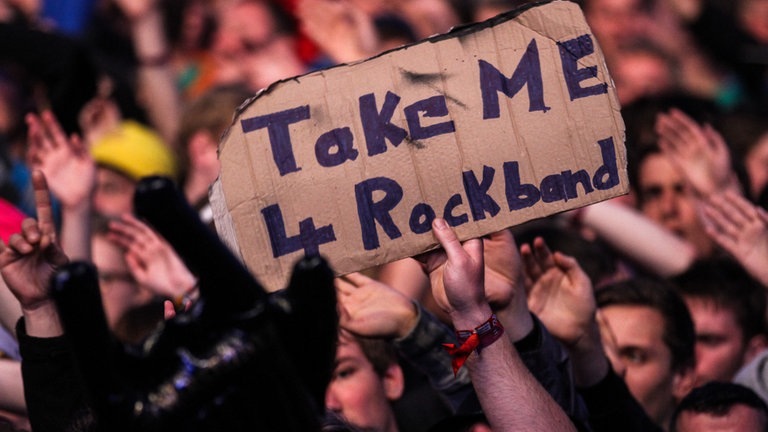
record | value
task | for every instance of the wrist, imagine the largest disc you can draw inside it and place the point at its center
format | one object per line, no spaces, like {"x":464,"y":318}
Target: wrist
{"x":470,"y":317}
{"x":409,"y":321}
{"x":469,"y":341}
{"x":42,"y":319}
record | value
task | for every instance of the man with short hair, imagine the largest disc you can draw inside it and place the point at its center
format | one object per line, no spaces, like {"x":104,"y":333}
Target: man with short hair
{"x":728,"y":311}
{"x":654,"y":342}
{"x":721,"y":407}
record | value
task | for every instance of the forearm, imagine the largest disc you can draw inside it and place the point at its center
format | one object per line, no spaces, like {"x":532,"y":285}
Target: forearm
{"x":590,"y":365}
{"x":647,"y":243}
{"x":42,"y":320}
{"x":76,"y":231}
{"x":10,"y":309}
{"x":54,"y":392}
{"x":11,"y":387}
{"x":511,"y":397}
{"x":155,"y":75}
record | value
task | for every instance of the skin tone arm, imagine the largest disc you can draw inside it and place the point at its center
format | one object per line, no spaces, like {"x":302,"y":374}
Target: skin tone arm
{"x":10,"y":311}
{"x":341,"y":29}
{"x":155,"y":75}
{"x":11,"y":387}
{"x":28,"y":261}
{"x":647,"y":243}
{"x":511,"y":398}
{"x":561,"y":296}
{"x":741,"y":229}
{"x":68,"y":167}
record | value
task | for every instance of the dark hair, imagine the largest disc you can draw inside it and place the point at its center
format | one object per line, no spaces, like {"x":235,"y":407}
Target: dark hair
{"x":380,"y":352}
{"x":717,"y":399}
{"x":727,"y":285}
{"x":679,"y":335}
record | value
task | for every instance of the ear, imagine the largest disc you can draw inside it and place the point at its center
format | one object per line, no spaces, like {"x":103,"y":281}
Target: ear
{"x":394,"y":382}
{"x":755,"y":346}
{"x":683,"y":382}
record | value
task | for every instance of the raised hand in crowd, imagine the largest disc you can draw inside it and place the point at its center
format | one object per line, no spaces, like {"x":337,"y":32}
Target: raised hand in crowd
{"x":340,"y":28}
{"x":699,"y":152}
{"x":499,"y":376}
{"x":371,"y":308}
{"x":71,"y":173}
{"x":29,"y":260}
{"x":100,"y":115}
{"x":64,"y":160}
{"x":740,"y":228}
{"x":560,"y":295}
{"x":152,"y":261}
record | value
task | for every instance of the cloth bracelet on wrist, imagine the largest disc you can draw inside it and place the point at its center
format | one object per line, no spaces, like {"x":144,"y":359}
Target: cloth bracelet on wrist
{"x":473,"y":340}
{"x":183,"y":302}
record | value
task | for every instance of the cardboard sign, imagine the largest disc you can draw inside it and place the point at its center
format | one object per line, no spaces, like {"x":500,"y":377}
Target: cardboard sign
{"x":487,"y":126}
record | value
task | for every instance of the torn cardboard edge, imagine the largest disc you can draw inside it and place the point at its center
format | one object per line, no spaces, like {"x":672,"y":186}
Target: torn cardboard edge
{"x":239,"y":225}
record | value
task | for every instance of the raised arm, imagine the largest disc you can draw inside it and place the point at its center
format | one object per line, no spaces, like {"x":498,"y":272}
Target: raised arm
{"x":699,"y":152}
{"x":740,"y":228}
{"x":511,"y":398}
{"x":647,"y":243}
{"x":561,"y":296}
{"x":28,"y":261}
{"x":71,"y":174}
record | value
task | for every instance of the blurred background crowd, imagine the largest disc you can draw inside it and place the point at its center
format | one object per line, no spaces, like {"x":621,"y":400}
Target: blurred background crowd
{"x":97,"y":94}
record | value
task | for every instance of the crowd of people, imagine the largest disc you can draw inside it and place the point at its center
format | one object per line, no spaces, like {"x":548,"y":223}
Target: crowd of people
{"x":646,"y":312}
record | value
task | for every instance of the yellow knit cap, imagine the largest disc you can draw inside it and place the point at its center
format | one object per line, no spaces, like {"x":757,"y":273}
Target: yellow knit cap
{"x":135,"y":150}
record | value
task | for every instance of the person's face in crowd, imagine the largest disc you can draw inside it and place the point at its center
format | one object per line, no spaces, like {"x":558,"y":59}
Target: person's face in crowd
{"x":615,"y":23}
{"x":740,"y":418}
{"x":756,"y":164}
{"x":643,"y":358}
{"x":249,"y":49}
{"x":640,"y":74}
{"x":360,"y":395}
{"x":667,"y":200}
{"x":721,"y":349}
{"x":114,"y":193}
{"x":119,"y":290}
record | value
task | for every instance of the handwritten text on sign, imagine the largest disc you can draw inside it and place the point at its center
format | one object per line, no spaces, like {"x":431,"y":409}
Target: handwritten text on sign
{"x":486,"y":128}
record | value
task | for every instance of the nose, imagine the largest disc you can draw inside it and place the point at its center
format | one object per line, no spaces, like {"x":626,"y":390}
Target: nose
{"x":331,"y":401}
{"x":668,"y":204}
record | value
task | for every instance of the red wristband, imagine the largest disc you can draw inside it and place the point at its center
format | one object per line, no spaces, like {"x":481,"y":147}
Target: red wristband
{"x":473,"y":340}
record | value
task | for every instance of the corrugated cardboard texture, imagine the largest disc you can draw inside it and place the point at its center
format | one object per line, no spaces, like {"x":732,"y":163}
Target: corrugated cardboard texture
{"x":489,"y":126}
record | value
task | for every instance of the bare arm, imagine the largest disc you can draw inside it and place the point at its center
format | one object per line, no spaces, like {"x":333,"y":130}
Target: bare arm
{"x":740,"y":228}
{"x":511,"y":398}
{"x":561,"y":296}
{"x":28,"y":261}
{"x":11,"y":387}
{"x":647,"y":243}
{"x":10,"y":310}
{"x":71,"y":172}
{"x":157,"y":85}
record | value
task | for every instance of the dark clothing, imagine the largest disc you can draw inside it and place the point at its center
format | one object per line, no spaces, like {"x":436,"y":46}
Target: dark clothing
{"x":613,"y":408}
{"x":52,"y":387}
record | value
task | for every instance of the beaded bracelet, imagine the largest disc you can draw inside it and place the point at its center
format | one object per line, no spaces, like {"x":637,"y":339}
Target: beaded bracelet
{"x":473,"y":340}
